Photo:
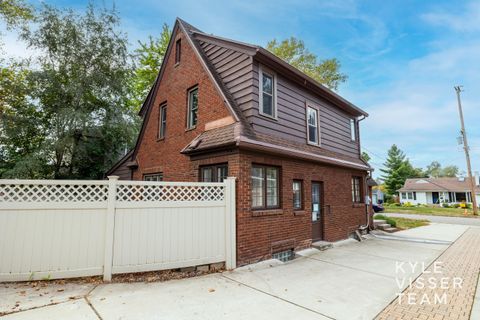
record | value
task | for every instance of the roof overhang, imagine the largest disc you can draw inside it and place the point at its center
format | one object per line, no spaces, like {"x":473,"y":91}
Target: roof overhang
{"x":250,"y":144}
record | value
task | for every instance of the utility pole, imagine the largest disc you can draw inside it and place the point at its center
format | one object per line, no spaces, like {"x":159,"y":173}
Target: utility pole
{"x":458,"y":89}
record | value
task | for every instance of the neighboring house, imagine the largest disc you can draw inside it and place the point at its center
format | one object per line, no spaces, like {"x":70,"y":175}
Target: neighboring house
{"x":438,"y":190}
{"x":221,"y":108}
{"x":377,"y":195}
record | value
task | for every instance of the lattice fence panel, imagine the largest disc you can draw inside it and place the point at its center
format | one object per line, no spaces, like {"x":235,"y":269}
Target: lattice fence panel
{"x":55,"y":193}
{"x":144,"y":193}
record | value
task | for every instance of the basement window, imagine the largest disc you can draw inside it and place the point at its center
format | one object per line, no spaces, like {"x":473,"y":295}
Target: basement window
{"x":284,"y":256}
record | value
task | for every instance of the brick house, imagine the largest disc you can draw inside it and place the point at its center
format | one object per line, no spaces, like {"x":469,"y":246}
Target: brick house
{"x":221,"y":108}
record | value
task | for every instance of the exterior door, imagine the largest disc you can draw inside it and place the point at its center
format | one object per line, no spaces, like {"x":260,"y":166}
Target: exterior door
{"x":317,"y":214}
{"x":435,"y":197}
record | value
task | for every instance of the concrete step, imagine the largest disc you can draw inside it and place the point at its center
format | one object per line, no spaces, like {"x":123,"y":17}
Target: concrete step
{"x":322,"y":245}
{"x":377,"y":222}
{"x":383,"y":226}
{"x":390,"y":230}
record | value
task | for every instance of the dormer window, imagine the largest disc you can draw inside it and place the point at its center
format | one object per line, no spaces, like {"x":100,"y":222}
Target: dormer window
{"x":268,"y":103}
{"x":178,"y":50}
{"x":353,"y":130}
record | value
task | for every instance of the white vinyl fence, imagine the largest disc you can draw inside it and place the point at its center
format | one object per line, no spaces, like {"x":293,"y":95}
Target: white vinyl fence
{"x":61,"y":229}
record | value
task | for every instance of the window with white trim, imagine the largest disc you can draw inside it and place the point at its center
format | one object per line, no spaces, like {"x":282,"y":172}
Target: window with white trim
{"x":192,"y":108}
{"x":353,"y":130}
{"x":312,"y":126}
{"x":268,"y":103}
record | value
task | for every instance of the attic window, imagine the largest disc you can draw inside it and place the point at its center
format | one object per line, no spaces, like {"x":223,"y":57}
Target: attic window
{"x":178,"y":50}
{"x":268,"y":87}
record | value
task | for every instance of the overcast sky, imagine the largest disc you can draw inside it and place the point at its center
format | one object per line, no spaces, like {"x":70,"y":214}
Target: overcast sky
{"x":402,"y":58}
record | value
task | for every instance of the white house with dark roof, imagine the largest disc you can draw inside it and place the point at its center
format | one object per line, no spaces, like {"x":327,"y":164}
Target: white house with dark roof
{"x":438,"y":190}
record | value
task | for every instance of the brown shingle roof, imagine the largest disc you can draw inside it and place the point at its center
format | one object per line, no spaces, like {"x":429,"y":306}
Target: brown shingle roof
{"x":437,"y":184}
{"x":213,"y":139}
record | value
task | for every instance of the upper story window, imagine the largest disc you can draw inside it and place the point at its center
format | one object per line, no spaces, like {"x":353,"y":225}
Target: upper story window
{"x":153,"y":176}
{"x":268,"y":103}
{"x":162,"y":121}
{"x":214,"y":173}
{"x":312,"y":126}
{"x":357,"y":189}
{"x":265,"y":187}
{"x":353,"y":130}
{"x":192,"y":108}
{"x":178,"y":50}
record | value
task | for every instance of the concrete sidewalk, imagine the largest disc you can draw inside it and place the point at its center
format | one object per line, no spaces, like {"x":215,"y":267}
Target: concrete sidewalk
{"x":353,"y":280}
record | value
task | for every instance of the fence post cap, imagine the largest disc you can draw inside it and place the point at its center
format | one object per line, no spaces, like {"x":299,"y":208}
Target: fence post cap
{"x":231,"y":178}
{"x":113,"y":177}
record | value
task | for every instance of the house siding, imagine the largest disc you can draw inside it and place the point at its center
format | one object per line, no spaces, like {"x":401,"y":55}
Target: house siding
{"x":123,"y":172}
{"x":154,"y":155}
{"x":291,"y":121}
{"x":235,"y":70}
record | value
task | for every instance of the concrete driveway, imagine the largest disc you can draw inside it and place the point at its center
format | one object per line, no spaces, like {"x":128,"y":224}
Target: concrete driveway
{"x":353,"y":280}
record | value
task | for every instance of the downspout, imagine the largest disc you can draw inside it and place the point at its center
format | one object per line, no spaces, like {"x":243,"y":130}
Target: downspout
{"x":369,"y":175}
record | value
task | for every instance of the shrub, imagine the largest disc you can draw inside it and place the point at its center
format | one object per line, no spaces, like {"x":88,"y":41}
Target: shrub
{"x":446,"y":205}
{"x":408,"y":204}
{"x":456,"y":205}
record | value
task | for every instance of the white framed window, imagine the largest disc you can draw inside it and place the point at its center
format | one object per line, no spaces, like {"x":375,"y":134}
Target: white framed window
{"x":268,"y":93}
{"x":312,"y":126}
{"x":192,"y":108}
{"x":353,"y":129}
{"x":162,"y":121}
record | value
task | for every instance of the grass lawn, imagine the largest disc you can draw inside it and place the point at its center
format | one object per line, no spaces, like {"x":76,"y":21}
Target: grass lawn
{"x":403,"y":223}
{"x":433,"y":211}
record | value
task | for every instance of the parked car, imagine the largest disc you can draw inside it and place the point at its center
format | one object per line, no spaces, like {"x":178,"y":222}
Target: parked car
{"x":378,"y":208}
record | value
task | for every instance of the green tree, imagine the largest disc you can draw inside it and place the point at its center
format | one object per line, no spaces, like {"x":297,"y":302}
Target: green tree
{"x":365,"y":156}
{"x":450,"y":171}
{"x":148,"y":59}
{"x":397,"y":169}
{"x":293,"y":51}
{"x":435,"y":170}
{"x":21,"y":128}
{"x":79,"y":89}
{"x":15,"y":12}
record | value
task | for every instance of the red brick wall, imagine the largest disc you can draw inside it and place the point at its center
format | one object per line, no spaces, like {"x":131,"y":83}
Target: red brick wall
{"x":164,"y":155}
{"x":275,"y":230}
